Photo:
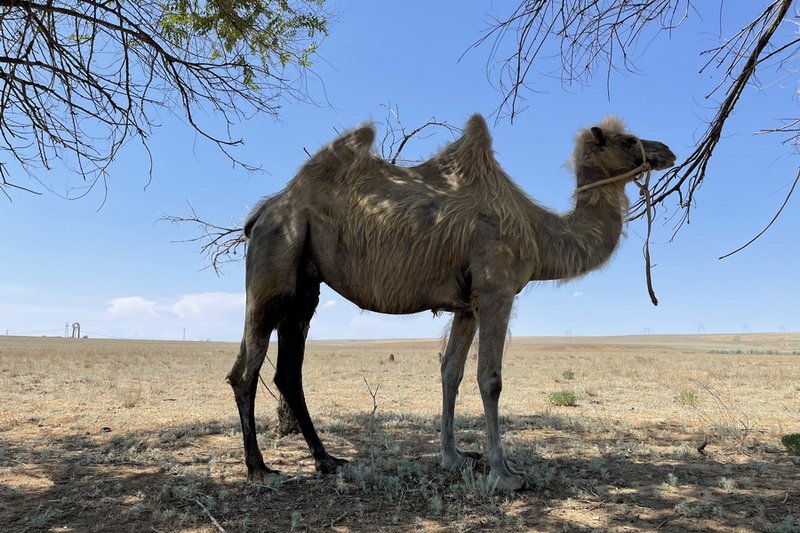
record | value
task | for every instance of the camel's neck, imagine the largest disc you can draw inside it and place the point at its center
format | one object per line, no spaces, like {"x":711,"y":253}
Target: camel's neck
{"x":577,"y":242}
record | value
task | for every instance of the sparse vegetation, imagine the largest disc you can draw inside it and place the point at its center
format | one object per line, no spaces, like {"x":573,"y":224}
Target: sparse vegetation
{"x":791,"y":443}
{"x":42,"y":517}
{"x":563,"y":397}
{"x":687,"y":398}
{"x":297,"y":518}
{"x":789,"y":524}
{"x":74,"y":456}
{"x":568,"y":374}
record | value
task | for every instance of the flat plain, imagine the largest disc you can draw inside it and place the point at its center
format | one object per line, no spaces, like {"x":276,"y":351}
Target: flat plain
{"x":668,"y":433}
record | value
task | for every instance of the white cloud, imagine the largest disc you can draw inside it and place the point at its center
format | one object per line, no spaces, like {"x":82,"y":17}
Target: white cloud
{"x":198,"y":316}
{"x":200,"y":305}
{"x":132,"y":305}
{"x":577,"y":294}
{"x":329,"y":303}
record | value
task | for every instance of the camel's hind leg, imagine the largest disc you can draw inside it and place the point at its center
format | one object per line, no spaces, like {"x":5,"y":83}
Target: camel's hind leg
{"x":274,"y":256}
{"x":292,"y":333}
{"x":461,"y":334}
{"x":243,"y":378}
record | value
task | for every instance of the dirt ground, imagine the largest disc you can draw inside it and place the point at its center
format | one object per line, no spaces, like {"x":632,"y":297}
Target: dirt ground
{"x":670,"y":433}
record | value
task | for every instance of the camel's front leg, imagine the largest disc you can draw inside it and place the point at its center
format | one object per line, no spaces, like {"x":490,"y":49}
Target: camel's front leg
{"x":462,"y":332}
{"x":495,"y":310}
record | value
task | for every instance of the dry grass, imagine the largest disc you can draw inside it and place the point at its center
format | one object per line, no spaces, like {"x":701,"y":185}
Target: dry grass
{"x":143,"y":436}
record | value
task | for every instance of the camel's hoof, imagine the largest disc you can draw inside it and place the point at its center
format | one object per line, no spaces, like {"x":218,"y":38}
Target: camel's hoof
{"x":507,"y":482}
{"x":460,"y":460}
{"x":329,"y":464}
{"x":261,"y":474}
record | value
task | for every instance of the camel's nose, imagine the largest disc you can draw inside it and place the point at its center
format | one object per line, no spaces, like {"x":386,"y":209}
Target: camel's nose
{"x":658,"y":154}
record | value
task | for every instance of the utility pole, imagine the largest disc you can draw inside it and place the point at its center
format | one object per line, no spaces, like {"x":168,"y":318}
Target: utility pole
{"x":184,"y":334}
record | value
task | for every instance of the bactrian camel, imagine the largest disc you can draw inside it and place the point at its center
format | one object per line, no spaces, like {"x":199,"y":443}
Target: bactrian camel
{"x":452,"y":234}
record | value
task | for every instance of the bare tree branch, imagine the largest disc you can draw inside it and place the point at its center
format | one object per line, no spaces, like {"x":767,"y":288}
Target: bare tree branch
{"x":585,"y":34}
{"x":771,"y":222}
{"x":590,"y":35}
{"x":396,"y":137}
{"x":219,"y":244}
{"x":747,"y":46}
{"x":80,"y":78}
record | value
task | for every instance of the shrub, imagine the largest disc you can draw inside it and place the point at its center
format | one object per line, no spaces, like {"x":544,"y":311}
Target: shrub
{"x":568,"y":374}
{"x":792,"y":443}
{"x":564,"y":397}
{"x":688,"y":398}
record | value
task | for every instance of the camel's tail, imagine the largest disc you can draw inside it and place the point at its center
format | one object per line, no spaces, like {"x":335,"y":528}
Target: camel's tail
{"x":254,"y":214}
{"x":342,"y":153}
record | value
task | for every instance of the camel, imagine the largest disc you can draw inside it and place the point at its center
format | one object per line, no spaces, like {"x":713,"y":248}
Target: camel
{"x":452,"y":234}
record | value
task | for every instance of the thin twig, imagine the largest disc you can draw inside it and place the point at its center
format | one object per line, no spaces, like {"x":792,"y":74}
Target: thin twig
{"x":771,"y":222}
{"x":374,"y":395}
{"x":268,"y":389}
{"x":14,"y":461}
{"x":210,"y":516}
{"x":338,"y":519}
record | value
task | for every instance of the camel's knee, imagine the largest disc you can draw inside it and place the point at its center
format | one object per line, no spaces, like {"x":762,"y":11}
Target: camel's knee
{"x":234,"y":377}
{"x":452,"y":372}
{"x":248,"y":362}
{"x":490,"y":385}
{"x":287,"y":379}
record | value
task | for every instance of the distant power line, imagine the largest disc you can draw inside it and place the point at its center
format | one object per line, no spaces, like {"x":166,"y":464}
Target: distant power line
{"x":41,"y":332}
{"x":91,"y":334}
{"x":65,"y":332}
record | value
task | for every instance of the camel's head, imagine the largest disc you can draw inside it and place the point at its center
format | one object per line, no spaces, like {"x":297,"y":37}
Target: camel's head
{"x":609,"y":146}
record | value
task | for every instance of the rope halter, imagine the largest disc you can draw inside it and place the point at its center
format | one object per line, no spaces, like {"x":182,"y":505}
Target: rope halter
{"x":642,"y":170}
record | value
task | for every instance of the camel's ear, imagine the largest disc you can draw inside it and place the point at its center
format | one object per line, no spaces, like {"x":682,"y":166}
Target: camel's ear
{"x":598,"y":136}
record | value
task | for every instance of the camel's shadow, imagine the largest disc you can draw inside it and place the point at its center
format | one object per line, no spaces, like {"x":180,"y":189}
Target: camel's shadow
{"x":184,"y":476}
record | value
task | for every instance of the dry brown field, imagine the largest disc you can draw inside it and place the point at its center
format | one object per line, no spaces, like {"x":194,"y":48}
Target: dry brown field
{"x":670,"y":433}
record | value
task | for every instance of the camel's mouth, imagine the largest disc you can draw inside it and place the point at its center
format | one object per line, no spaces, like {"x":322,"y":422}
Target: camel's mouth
{"x":658,"y":155}
{"x":661,"y":163}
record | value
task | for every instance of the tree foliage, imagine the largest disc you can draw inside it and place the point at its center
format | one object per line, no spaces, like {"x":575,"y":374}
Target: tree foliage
{"x":81,"y":78}
{"x":603,"y":36}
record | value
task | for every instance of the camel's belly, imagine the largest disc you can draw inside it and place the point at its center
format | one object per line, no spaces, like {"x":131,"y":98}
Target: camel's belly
{"x":399,"y":267}
{"x":404,"y":295}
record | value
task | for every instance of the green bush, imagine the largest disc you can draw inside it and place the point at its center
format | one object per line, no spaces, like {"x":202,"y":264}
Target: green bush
{"x":564,"y":397}
{"x":792,"y":443}
{"x":568,"y":374}
{"x":687,"y":397}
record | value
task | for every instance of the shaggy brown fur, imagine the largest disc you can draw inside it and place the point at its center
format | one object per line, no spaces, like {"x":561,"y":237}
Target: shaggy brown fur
{"x":452,"y":234}
{"x":399,"y":216}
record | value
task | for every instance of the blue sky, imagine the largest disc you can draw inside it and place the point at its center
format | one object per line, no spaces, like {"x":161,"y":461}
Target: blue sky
{"x":118,"y":271}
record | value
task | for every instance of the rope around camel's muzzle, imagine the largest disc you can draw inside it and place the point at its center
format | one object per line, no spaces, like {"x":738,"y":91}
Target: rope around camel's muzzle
{"x":641,"y":177}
